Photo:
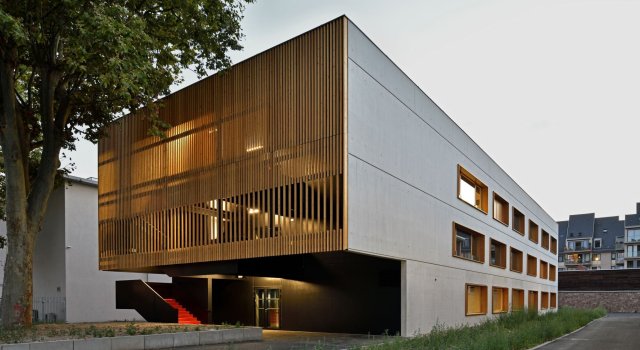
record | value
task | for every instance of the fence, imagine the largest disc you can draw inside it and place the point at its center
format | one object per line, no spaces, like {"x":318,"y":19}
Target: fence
{"x":48,"y":309}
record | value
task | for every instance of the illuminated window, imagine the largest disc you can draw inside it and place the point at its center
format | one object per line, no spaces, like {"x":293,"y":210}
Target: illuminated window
{"x":500,"y":209}
{"x":545,"y":240}
{"x":533,"y":231}
{"x":468,"y":244}
{"x":472,"y":191}
{"x":554,"y":245}
{"x":517,"y":299}
{"x":533,"y":300}
{"x":544,"y":270}
{"x":552,"y":272}
{"x":500,"y":300}
{"x":544,"y":303}
{"x":518,"y":221}
{"x":516,"y":260}
{"x":475,"y":300}
{"x":532,"y":266}
{"x":498,"y":253}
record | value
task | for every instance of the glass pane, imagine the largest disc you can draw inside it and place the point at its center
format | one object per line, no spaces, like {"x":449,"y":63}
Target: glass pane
{"x":467,"y":192}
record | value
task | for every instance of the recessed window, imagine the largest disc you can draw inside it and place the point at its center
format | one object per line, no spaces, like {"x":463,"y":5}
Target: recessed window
{"x":498,"y":251}
{"x":545,"y":240}
{"x":500,"y":300}
{"x":597,"y":243}
{"x":533,"y":300}
{"x":544,"y":270}
{"x":468,"y":244}
{"x":475,"y":300}
{"x":472,"y":191}
{"x":516,"y":260}
{"x":517,"y":299}
{"x":544,"y":303}
{"x":500,"y":209}
{"x":532,"y":266}
{"x":554,"y":245}
{"x":533,"y":231}
{"x":596,"y":257}
{"x":552,"y":272}
{"x":518,"y":221}
{"x":553,"y":303}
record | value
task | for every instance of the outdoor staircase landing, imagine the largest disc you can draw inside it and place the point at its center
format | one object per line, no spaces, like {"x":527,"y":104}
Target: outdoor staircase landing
{"x":184,"y":316}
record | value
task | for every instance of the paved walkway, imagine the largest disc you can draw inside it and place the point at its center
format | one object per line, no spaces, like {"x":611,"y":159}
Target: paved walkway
{"x":613,"y":332}
{"x":292,"y":340}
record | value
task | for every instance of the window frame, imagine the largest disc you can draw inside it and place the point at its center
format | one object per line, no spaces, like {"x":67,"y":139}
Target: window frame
{"x":537,"y":300}
{"x":544,"y":302}
{"x":499,"y":199}
{"x":554,"y":245}
{"x":543,"y":270}
{"x":599,"y":240}
{"x":521,"y":298}
{"x":503,"y":255}
{"x":505,"y":301}
{"x":511,"y":249}
{"x":515,"y":213}
{"x":553,"y":301}
{"x":535,"y":239}
{"x":535,"y":265}
{"x":553,"y":275}
{"x":472,"y":232}
{"x":483,"y":303}
{"x":475,"y":182}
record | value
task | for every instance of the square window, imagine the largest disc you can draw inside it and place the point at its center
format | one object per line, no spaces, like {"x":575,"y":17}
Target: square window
{"x":475,"y":300}
{"x":545,"y":240}
{"x":532,"y":266}
{"x":597,"y":243}
{"x":498,"y":251}
{"x":500,"y":209}
{"x":500,"y":300}
{"x":533,"y":232}
{"x":533,"y":300}
{"x":517,"y":299}
{"x":516,"y":260}
{"x":518,"y":221}
{"x":468,"y":244}
{"x":472,"y":191}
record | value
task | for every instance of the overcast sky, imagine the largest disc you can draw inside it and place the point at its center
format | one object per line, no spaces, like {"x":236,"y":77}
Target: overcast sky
{"x":549,"y":89}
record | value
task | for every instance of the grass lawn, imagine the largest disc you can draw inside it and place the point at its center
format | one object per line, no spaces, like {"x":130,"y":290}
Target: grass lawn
{"x":513,"y":331}
{"x":62,"y":331}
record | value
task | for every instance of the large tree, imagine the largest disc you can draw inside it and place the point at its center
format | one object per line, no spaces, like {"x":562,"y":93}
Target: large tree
{"x":67,"y":69}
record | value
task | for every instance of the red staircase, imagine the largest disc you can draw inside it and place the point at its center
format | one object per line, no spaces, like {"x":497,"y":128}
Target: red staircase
{"x":184,"y":316}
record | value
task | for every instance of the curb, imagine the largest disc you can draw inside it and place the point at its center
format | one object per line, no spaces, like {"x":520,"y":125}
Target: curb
{"x":566,"y":335}
{"x":150,"y":341}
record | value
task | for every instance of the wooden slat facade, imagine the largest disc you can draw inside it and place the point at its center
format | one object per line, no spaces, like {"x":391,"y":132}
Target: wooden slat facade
{"x":253,"y":165}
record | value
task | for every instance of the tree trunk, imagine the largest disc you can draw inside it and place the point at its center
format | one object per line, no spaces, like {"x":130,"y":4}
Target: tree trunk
{"x":17,"y":292}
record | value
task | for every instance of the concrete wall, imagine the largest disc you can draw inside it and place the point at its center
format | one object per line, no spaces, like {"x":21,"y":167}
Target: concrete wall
{"x":613,"y":301}
{"x":90,"y":293}
{"x":403,"y":153}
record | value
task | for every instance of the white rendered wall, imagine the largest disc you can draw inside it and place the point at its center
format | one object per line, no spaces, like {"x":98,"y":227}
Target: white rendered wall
{"x":90,"y":292}
{"x":403,"y":153}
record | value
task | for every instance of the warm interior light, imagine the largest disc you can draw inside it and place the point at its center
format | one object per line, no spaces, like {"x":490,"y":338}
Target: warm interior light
{"x":251,"y":149}
{"x":240,"y":276}
{"x":254,"y":210}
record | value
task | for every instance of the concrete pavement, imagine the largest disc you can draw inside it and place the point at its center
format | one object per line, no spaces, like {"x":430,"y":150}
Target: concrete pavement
{"x":613,"y":332}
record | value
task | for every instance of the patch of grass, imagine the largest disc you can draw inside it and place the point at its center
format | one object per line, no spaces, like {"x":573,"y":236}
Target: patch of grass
{"x":513,"y":331}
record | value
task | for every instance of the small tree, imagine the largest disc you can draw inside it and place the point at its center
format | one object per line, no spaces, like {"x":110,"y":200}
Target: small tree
{"x":67,"y":69}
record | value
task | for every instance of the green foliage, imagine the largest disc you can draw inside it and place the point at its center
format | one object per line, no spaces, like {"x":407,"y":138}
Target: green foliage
{"x":517,"y":330}
{"x":132,"y":329}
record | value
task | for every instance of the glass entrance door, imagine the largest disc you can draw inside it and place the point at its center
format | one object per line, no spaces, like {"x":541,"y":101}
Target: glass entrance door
{"x":268,"y":308}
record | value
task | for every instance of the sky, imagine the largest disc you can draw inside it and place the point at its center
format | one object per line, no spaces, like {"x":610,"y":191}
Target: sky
{"x":550,"y":89}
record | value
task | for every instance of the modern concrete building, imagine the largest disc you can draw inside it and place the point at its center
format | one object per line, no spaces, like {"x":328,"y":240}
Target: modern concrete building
{"x":590,"y":243}
{"x":315,"y":187}
{"x":67,"y":285}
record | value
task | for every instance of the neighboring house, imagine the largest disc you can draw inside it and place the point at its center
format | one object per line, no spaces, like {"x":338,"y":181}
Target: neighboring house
{"x":67,"y":285}
{"x":315,"y":187}
{"x":590,"y":243}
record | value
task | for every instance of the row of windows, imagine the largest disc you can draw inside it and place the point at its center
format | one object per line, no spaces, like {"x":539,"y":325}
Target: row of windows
{"x":469,"y":244}
{"x":475,"y":193}
{"x":476,"y":300}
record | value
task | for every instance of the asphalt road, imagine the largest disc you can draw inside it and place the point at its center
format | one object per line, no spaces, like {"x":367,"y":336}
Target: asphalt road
{"x":613,"y":332}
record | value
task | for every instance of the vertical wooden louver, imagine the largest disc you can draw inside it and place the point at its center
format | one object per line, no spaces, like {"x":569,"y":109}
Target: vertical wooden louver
{"x":252,"y":166}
